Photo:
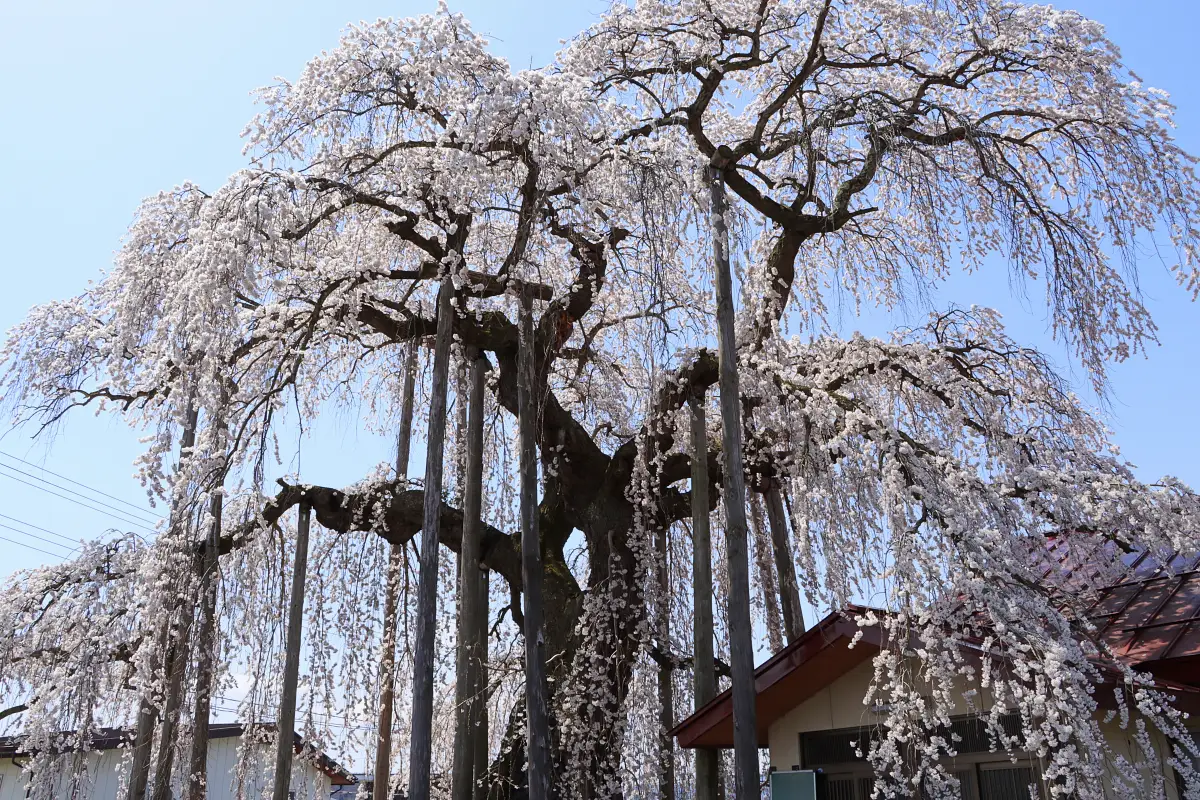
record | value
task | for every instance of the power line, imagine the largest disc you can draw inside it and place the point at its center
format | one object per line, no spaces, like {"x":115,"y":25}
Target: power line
{"x":31,"y":547}
{"x":35,"y":536}
{"x":40,"y":528}
{"x":78,"y":494}
{"x":77,"y":502}
{"x":84,"y":485}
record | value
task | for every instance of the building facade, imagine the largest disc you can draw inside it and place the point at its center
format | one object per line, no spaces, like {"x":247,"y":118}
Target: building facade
{"x":100,"y":772}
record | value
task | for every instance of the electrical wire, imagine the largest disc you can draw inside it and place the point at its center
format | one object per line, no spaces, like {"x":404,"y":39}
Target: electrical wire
{"x":31,"y":547}
{"x":79,"y":494}
{"x":76,"y":502}
{"x":40,"y":528}
{"x":39,"y":538}
{"x":84,"y":485}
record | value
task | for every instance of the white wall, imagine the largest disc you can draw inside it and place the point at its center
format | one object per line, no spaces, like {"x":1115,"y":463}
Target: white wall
{"x":103,"y":775}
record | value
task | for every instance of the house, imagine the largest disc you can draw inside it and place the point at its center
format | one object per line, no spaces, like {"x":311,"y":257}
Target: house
{"x":810,"y":694}
{"x":99,"y":773}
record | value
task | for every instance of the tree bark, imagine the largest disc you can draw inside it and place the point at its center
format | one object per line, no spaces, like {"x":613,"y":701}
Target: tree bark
{"x":139,"y":769}
{"x":741,"y":645}
{"x":467,"y":688}
{"x":177,"y":660}
{"x":285,"y":722}
{"x":537,"y":721}
{"x":785,"y":564}
{"x":704,"y":673}
{"x":396,"y":564}
{"x":148,"y":710}
{"x":197,"y":775}
{"x":666,"y":688}
{"x":420,"y":753}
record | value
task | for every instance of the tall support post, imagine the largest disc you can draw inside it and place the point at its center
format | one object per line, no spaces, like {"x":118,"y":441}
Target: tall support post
{"x":537,"y":721}
{"x":704,"y":672}
{"x":387,"y":662}
{"x":420,"y":753}
{"x":286,"y":719}
{"x":481,"y":705}
{"x":468,"y":665}
{"x":741,"y":645}
{"x":785,"y":565}
{"x":195,"y":786}
{"x":666,"y":672}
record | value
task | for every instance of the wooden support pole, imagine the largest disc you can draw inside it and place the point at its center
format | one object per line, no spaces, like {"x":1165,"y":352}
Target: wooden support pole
{"x":387,"y":662}
{"x":666,"y":687}
{"x":704,"y":672}
{"x":196,"y":782}
{"x":537,"y":721}
{"x":286,"y":720}
{"x":785,"y":564}
{"x":741,"y":643}
{"x":468,"y":689}
{"x":420,"y":753}
{"x":481,"y":706}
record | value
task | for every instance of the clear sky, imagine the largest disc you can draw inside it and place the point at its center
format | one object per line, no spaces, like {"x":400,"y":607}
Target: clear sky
{"x":107,"y":101}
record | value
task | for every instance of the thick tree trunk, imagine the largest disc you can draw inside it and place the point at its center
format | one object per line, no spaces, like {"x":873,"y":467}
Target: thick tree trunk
{"x":148,"y":709}
{"x":420,"y":753}
{"x":766,"y":576}
{"x":197,"y":774}
{"x":139,"y":769}
{"x":537,"y":721}
{"x":286,"y":720}
{"x":396,"y":564}
{"x":666,"y":687}
{"x":785,"y":564}
{"x":741,"y":644}
{"x":468,"y":689}
{"x":177,"y":661}
{"x":704,"y":673}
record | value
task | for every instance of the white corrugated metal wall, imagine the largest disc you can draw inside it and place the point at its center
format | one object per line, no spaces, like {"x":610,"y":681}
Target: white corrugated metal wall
{"x":100,"y":775}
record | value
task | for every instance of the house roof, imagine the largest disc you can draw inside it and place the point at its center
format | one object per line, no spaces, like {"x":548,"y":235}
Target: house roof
{"x":1152,"y":614}
{"x":116,"y":738}
{"x":1148,"y":609}
{"x":1148,"y":612}
{"x":815,"y":659}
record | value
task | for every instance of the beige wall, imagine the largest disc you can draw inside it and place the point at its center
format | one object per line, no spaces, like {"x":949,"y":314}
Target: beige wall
{"x":840,"y":705}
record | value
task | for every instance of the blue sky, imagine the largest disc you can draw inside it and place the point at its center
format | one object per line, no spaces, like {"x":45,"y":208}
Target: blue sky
{"x":105,"y":102}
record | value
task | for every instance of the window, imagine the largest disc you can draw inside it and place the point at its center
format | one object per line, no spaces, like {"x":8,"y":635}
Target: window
{"x":982,"y":775}
{"x":1006,"y":781}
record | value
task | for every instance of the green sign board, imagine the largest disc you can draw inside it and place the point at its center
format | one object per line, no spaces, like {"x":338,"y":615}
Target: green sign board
{"x":794,"y":785}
